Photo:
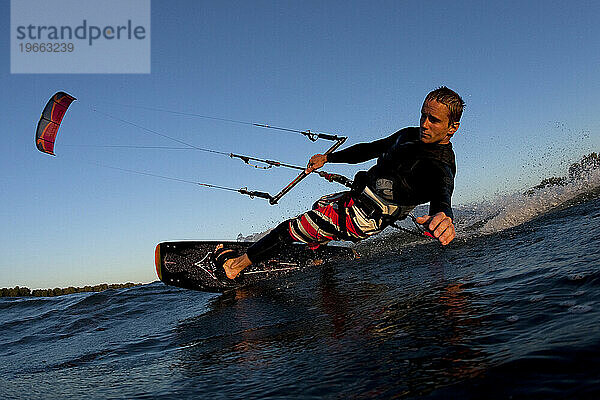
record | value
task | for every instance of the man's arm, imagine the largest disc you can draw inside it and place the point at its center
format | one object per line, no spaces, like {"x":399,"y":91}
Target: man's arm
{"x":354,"y":154}
{"x":362,"y":152}
{"x":440,"y":218}
{"x":442,"y":188}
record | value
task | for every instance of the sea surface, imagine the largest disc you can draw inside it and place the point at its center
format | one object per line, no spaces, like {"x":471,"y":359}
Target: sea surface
{"x":510,"y":310}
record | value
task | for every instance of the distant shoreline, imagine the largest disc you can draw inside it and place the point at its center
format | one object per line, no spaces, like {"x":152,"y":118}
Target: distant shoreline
{"x":26,"y":292}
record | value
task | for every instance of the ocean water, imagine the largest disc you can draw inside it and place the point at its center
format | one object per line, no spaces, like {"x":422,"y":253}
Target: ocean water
{"x":510,"y":310}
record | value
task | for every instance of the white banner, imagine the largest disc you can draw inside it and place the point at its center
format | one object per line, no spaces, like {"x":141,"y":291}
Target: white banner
{"x":80,"y":36}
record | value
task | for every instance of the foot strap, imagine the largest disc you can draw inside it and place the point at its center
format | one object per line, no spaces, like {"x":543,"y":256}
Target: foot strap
{"x":219,"y":258}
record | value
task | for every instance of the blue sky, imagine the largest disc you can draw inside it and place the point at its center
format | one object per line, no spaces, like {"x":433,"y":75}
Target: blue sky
{"x":528,"y":72}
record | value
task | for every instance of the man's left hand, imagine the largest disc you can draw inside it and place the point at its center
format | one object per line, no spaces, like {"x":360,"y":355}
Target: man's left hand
{"x":440,"y":225}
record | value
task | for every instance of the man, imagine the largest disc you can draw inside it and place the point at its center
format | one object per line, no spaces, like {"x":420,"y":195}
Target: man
{"x":414,"y":166}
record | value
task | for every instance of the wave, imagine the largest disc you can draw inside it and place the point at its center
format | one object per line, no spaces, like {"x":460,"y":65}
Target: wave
{"x":503,"y":212}
{"x":515,"y":209}
{"x":30,"y":320}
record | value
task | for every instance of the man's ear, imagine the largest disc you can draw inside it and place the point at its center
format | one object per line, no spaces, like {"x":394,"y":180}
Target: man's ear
{"x":453,"y":128}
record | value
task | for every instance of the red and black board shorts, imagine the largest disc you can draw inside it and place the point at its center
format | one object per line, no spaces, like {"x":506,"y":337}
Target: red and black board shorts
{"x":333,"y":217}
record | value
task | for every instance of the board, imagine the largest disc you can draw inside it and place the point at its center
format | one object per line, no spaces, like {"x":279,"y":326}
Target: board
{"x":189,"y":265}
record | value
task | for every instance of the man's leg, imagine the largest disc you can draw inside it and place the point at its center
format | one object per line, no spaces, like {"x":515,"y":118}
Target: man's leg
{"x":259,"y":251}
{"x":316,"y":227}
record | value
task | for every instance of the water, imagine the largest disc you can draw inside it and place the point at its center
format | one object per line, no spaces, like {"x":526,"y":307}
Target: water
{"x":510,"y":310}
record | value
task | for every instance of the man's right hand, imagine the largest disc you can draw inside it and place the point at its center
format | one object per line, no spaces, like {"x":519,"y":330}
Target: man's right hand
{"x":440,"y":225}
{"x":316,"y":162}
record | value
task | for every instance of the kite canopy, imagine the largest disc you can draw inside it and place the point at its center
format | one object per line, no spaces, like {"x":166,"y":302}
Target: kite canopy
{"x":50,"y":120}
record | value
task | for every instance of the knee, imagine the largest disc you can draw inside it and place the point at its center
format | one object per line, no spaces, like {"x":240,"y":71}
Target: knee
{"x":283,"y":231}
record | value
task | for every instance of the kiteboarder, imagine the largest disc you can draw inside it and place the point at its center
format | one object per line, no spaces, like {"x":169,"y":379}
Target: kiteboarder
{"x":414,"y":166}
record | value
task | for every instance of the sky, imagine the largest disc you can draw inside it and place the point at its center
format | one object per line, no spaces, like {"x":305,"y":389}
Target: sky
{"x":529,"y":72}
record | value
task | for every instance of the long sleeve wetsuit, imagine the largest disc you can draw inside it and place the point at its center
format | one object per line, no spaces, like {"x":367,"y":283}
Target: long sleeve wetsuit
{"x":420,"y":172}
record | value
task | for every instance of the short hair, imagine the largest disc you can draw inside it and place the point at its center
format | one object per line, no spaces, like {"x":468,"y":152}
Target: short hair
{"x":450,"y":99}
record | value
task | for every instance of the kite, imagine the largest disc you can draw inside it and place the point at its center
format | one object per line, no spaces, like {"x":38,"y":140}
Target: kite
{"x":50,"y":120}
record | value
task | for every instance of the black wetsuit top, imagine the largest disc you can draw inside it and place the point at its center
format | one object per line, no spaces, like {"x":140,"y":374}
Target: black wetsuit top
{"x":419,"y":172}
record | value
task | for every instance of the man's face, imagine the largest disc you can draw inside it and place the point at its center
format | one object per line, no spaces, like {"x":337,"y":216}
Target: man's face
{"x":434,"y":123}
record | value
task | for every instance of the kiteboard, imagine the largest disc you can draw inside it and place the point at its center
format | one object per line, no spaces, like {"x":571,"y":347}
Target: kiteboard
{"x":189,"y":264}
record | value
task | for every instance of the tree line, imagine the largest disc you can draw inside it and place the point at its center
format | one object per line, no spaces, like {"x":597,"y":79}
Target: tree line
{"x":26,"y":292}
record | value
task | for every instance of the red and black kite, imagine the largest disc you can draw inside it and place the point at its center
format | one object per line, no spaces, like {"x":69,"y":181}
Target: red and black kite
{"x":50,"y":120}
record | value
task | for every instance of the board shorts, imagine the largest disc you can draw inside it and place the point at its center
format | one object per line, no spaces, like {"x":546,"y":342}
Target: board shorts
{"x":344,"y":216}
{"x":340,"y":216}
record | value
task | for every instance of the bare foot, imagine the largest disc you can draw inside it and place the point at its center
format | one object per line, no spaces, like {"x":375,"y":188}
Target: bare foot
{"x":235,"y":265}
{"x":229,"y":271}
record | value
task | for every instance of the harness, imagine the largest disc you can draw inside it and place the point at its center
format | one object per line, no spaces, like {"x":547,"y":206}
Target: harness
{"x":375,"y":206}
